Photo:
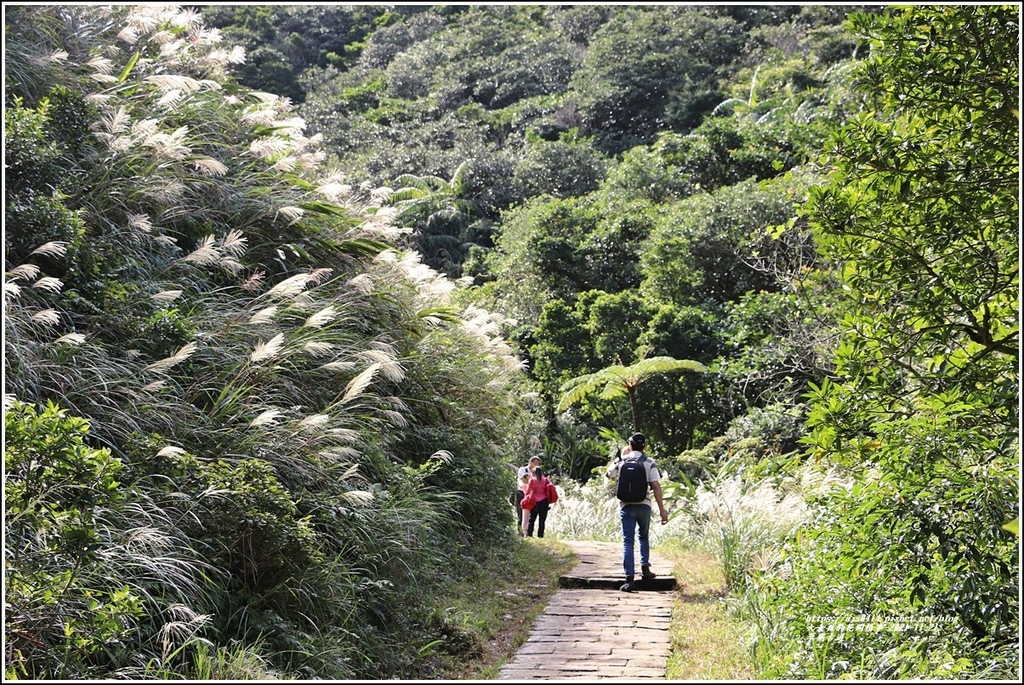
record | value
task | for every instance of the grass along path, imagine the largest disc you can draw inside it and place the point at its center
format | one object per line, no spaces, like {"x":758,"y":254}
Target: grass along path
{"x":496,"y":604}
{"x":708,"y":642}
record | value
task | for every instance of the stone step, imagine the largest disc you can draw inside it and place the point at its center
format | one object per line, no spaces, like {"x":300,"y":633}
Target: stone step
{"x":592,"y":631}
{"x":572,"y":582}
{"x":599,"y":567}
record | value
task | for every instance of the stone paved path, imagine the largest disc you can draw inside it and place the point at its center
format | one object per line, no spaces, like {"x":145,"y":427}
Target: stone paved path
{"x":591,"y":630}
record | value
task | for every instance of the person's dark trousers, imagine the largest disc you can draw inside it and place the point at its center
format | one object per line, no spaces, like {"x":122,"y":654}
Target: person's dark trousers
{"x":519,"y":516}
{"x":538,"y":515}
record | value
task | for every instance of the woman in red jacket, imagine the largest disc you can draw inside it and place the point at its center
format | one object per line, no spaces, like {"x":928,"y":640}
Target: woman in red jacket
{"x":538,"y":487}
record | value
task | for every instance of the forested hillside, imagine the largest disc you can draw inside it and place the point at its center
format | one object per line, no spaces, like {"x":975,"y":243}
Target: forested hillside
{"x":528,"y":154}
{"x":290,"y":290}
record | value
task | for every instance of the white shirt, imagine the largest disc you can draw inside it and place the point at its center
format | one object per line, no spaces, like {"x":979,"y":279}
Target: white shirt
{"x":653,"y":475}
{"x":526,"y":471}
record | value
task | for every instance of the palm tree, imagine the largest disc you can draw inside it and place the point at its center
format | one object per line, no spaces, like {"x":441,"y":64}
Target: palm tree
{"x":439,"y":214}
{"x":749,"y":103}
{"x":615,"y":381}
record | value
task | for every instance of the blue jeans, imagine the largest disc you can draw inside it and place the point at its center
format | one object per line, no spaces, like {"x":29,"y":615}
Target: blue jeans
{"x":635,"y":516}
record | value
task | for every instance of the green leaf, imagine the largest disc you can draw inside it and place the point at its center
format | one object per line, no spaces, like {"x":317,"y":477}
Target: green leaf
{"x":128,"y":68}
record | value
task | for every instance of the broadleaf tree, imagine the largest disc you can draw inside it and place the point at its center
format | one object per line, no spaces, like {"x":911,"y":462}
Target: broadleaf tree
{"x":921,"y":413}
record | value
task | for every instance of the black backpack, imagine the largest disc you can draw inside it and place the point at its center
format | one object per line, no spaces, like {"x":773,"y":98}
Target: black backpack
{"x":632,"y":487}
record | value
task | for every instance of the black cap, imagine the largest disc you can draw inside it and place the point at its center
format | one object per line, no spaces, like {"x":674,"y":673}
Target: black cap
{"x":638,"y":440}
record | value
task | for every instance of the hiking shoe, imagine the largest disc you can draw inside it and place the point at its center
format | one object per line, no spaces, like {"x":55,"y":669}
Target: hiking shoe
{"x":629,"y":586}
{"x":647,"y":574}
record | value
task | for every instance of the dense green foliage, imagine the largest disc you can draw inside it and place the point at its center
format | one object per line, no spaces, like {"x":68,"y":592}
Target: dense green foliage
{"x":289,"y":290}
{"x":921,"y":412}
{"x":62,"y":498}
{"x":540,"y":99}
{"x":281,"y":42}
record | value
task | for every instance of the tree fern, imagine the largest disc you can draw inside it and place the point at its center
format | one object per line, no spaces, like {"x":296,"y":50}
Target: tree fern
{"x":615,"y":381}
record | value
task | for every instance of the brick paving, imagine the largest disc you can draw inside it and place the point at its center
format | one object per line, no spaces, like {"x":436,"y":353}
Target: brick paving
{"x":591,"y":630}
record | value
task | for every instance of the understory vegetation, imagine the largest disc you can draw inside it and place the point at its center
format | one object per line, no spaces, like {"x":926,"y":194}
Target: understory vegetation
{"x":291,"y":291}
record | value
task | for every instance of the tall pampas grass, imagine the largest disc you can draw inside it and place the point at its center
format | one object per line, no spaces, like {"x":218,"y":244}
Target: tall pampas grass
{"x":584,"y":512}
{"x":267,"y":350}
{"x":178,"y":357}
{"x":240,"y":328}
{"x":591,"y":512}
{"x":744,"y":523}
{"x":741,"y":524}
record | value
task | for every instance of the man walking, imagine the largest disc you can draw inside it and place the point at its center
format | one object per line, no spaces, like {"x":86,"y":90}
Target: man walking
{"x":530,"y":467}
{"x":635,"y":472}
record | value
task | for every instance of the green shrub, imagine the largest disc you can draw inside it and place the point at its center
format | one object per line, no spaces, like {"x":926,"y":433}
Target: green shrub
{"x":915,"y":549}
{"x":37,"y":170}
{"x":68,"y":119}
{"x":163,"y":332}
{"x":62,"y":615}
{"x":32,"y":158}
{"x":761,"y":444}
{"x":31,"y":221}
{"x":693,"y":466}
{"x":249,"y":520}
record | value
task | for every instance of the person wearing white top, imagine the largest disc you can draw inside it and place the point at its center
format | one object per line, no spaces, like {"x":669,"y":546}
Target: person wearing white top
{"x":636,"y":516}
{"x":528,"y":469}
